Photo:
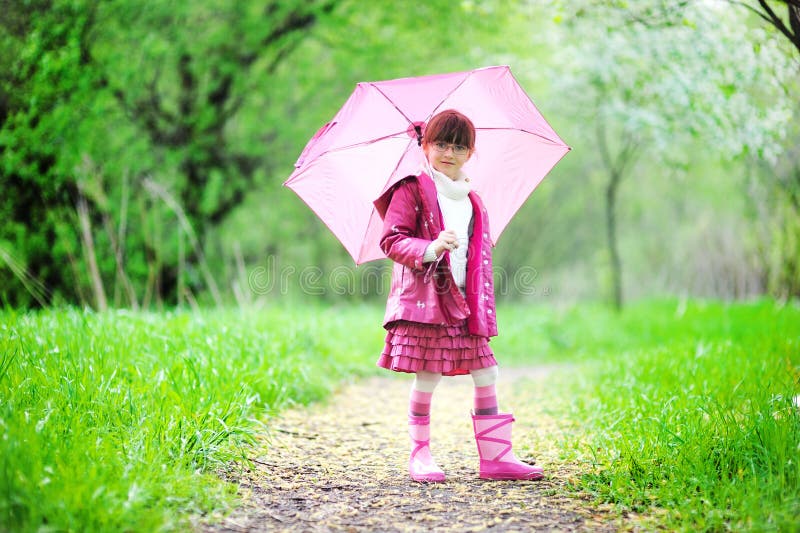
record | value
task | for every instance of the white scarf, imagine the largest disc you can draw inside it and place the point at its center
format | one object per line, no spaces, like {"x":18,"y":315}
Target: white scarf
{"x":454,"y":189}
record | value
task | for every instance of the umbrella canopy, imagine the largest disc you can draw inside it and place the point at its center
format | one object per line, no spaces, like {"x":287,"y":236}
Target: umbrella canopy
{"x":373,"y":142}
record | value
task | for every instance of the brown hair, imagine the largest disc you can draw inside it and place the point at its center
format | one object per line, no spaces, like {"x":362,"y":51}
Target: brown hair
{"x":452,"y":127}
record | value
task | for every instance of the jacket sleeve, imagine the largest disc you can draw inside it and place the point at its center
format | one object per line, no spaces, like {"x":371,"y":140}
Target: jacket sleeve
{"x":399,"y":240}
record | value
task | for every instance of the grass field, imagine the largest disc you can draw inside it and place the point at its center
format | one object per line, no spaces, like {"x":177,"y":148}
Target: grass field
{"x":118,"y":421}
{"x":684,"y":412}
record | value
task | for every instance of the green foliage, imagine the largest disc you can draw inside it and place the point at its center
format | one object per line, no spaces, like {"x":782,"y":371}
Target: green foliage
{"x":120,"y":420}
{"x":178,"y":123}
{"x":707,"y":431}
{"x":685,"y":407}
{"x":117,"y":421}
{"x":41,"y":87}
{"x":134,"y":110}
{"x":660,"y":84}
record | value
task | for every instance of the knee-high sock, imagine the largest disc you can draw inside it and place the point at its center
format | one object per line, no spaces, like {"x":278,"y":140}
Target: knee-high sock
{"x":422,"y":392}
{"x":485,"y":392}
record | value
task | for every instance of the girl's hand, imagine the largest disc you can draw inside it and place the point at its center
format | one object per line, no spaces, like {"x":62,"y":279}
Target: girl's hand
{"x":447,"y":240}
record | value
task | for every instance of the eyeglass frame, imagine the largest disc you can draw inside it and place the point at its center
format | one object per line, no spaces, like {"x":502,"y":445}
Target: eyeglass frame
{"x":441,"y":147}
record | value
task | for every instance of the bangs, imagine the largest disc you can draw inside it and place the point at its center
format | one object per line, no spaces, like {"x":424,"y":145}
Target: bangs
{"x":451,"y":127}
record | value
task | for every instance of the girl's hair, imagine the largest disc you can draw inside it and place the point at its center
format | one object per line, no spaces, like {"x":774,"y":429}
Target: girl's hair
{"x":452,"y":127}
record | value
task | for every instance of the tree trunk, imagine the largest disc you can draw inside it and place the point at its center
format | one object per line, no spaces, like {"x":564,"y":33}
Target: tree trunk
{"x":100,"y":301}
{"x":611,"y":235}
{"x":616,"y":165}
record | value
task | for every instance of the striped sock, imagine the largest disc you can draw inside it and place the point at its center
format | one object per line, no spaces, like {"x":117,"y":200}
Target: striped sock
{"x":420,"y":404}
{"x":485,"y":400}
{"x":421,"y":393}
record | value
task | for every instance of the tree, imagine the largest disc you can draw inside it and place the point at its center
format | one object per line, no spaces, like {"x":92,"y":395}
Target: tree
{"x":671,"y":12}
{"x":769,"y":13}
{"x":206,"y":89}
{"x":655,"y":88}
{"x":96,"y":91}
{"x":783,"y":270}
{"x":46,"y":69}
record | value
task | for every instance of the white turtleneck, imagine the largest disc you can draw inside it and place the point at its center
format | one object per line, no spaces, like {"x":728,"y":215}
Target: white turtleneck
{"x":457,"y":213}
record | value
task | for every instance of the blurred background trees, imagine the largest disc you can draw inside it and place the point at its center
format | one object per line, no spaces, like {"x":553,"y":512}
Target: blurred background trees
{"x":142,"y":150}
{"x":670,"y":94}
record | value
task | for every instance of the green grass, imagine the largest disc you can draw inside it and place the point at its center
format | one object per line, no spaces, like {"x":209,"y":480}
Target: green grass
{"x":683,"y":412}
{"x":592,"y":331}
{"x":117,"y":421}
{"x":120,"y":421}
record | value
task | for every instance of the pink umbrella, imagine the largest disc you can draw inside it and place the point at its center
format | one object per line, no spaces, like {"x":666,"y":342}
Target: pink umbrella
{"x":373,"y":141}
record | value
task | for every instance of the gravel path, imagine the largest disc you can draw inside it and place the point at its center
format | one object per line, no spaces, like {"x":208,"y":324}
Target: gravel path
{"x":342,"y":466}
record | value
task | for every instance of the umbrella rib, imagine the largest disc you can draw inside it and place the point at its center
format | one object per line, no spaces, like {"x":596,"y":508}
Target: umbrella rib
{"x":524,"y":131}
{"x":398,"y":134}
{"x":454,"y":89}
{"x":537,"y":109}
{"x":391,"y":102}
{"x":399,"y":160}
{"x":451,"y":92}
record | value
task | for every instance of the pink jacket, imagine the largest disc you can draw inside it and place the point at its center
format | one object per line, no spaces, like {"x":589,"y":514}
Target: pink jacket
{"x":427,"y":292}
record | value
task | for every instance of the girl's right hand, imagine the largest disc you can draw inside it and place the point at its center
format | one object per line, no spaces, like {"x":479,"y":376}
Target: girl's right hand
{"x":447,"y":240}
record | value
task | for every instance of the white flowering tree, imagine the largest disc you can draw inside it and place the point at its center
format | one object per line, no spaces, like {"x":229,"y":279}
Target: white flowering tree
{"x":780,"y":212}
{"x":654,"y":90}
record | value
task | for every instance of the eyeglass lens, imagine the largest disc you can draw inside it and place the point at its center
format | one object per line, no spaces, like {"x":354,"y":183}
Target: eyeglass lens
{"x":458,"y":149}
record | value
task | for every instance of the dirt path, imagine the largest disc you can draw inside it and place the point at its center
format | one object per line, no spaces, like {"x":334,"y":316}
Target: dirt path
{"x":342,"y":466}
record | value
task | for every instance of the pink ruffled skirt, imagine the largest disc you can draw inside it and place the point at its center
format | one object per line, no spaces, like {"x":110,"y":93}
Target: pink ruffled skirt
{"x":448,"y":350}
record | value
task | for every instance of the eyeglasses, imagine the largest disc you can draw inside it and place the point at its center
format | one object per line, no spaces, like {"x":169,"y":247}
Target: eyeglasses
{"x":458,"y":149}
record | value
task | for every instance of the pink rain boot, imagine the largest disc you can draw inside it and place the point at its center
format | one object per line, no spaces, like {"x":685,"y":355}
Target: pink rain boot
{"x":421,"y":465}
{"x":493,"y":437}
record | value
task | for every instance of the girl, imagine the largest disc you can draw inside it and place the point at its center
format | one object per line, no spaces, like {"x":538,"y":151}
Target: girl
{"x":440,"y":312}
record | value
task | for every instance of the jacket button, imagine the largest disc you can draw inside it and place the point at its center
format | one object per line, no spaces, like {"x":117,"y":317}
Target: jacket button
{"x":489,"y":311}
{"x":485,"y":261}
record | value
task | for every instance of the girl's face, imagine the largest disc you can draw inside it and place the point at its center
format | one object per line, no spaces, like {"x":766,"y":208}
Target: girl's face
{"x":447,"y":158}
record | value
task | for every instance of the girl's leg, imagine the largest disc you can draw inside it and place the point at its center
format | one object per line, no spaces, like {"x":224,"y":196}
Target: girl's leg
{"x":421,"y":465}
{"x":485,"y":392}
{"x":422,"y":392}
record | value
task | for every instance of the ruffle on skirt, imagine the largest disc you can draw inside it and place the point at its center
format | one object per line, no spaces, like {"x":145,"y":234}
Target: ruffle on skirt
{"x":448,"y":350}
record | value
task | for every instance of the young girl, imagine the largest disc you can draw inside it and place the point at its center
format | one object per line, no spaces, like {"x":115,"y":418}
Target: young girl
{"x":440,"y":312}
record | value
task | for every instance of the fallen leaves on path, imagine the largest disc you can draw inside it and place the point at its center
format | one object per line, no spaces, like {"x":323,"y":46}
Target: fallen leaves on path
{"x":342,"y":466}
